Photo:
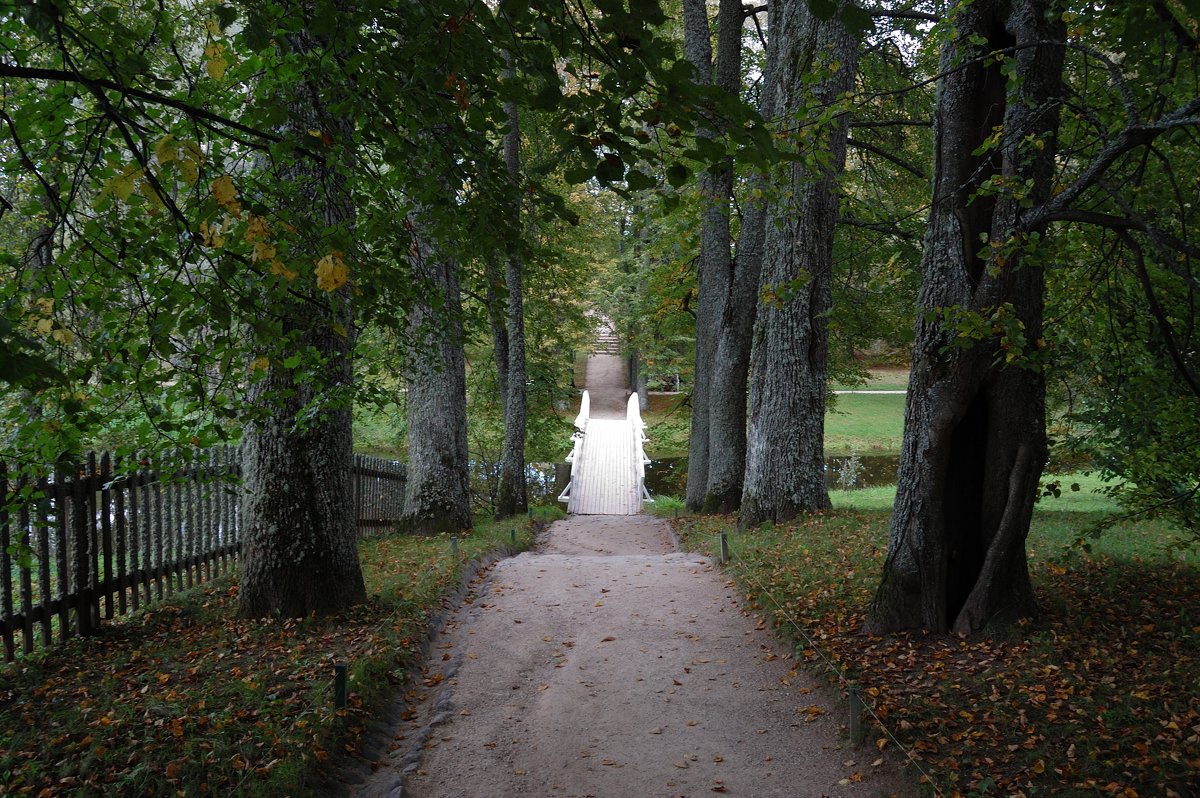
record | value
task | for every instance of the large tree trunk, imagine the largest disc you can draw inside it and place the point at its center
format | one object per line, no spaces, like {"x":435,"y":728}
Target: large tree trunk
{"x":437,"y":495}
{"x":731,"y":363}
{"x":300,"y":541}
{"x":785,"y":448}
{"x":512,"y":493}
{"x":713,"y":264}
{"x":974,"y":435}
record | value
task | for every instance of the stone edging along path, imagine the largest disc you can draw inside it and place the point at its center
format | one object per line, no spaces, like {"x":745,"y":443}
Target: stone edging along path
{"x":608,"y":664}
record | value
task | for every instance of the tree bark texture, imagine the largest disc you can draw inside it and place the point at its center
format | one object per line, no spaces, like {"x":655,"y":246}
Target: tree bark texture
{"x":497,"y":309}
{"x":437,"y":495}
{"x":974,"y":436}
{"x":735,"y":331}
{"x":785,"y":448}
{"x":300,"y":541}
{"x":714,"y":262}
{"x":512,"y":493}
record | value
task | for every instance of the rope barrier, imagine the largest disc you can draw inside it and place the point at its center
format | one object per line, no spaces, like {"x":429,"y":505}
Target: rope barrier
{"x":791,"y":621}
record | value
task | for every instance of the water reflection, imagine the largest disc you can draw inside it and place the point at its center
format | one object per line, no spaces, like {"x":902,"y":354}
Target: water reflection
{"x":668,"y":477}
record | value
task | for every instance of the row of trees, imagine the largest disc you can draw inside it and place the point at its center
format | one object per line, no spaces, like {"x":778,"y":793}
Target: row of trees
{"x":207,"y":205}
{"x":1053,"y":178}
{"x":226,"y":218}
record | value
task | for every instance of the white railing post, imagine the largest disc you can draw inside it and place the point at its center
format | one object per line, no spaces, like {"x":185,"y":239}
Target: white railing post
{"x":581,"y":422}
{"x":637,"y":427}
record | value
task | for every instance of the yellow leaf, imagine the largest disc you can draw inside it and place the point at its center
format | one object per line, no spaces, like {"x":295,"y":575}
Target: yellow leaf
{"x":278,"y":268}
{"x":216,"y":68}
{"x":262,"y":251}
{"x":216,"y":64}
{"x":63,"y":335}
{"x":256,"y":229}
{"x":124,"y":184}
{"x":45,"y":304}
{"x":211,"y":235}
{"x":880,"y":743}
{"x":332,"y":272}
{"x":224,"y":192}
{"x":44,"y":326}
{"x":214,"y":26}
{"x":166,"y":149}
{"x":190,"y":158}
{"x":1039,"y":766}
{"x":260,"y":363}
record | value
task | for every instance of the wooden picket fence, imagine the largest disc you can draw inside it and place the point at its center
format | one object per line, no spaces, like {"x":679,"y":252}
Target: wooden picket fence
{"x":92,"y":542}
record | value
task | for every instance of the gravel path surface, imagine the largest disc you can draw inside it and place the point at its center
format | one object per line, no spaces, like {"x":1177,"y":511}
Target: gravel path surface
{"x":608,"y":664}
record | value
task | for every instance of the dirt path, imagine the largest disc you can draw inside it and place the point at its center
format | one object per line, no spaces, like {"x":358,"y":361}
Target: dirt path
{"x":607,"y":664}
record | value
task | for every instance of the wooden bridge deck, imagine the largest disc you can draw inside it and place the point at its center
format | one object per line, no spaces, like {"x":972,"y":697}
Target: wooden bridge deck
{"x":606,"y":480}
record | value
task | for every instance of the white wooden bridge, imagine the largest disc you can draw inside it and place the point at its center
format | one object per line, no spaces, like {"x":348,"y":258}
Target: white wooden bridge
{"x":608,"y":464}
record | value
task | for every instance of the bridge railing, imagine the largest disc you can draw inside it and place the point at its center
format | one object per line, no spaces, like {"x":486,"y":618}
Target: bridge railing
{"x":637,"y":428}
{"x":581,"y":422}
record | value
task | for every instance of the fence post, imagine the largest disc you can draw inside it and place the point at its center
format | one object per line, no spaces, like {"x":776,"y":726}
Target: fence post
{"x":6,"y":569}
{"x":724,"y":548}
{"x":339,"y":685}
{"x":857,"y":732}
{"x":104,"y":582}
{"x":82,"y":506}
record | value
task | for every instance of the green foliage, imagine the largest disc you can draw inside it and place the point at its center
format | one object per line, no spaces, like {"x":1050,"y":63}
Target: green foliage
{"x":667,"y":507}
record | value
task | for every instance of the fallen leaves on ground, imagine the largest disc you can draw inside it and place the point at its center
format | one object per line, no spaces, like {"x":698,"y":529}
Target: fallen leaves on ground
{"x":1098,"y":697}
{"x":185,"y":699}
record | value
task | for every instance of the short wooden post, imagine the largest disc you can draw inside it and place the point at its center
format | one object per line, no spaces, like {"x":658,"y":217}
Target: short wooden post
{"x":339,"y":685}
{"x":857,"y":732}
{"x":513,"y":535}
{"x":724,"y":548}
{"x":454,"y":546}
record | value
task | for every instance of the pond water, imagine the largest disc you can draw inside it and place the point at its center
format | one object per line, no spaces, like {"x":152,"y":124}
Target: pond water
{"x":668,"y":477}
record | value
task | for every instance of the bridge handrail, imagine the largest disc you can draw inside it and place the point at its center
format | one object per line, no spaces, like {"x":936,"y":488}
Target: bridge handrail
{"x":581,"y":422}
{"x":633,"y":413}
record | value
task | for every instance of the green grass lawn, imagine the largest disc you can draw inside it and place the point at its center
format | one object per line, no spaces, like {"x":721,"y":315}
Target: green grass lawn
{"x":880,"y":379}
{"x":866,"y":423}
{"x":184,"y":699}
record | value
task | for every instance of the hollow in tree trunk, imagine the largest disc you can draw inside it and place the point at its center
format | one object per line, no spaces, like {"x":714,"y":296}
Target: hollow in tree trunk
{"x":974,"y":435}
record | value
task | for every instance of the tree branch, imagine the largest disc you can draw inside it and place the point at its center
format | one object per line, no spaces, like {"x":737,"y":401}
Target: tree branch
{"x":98,"y":84}
{"x":893,"y":123}
{"x":878,"y":227}
{"x":887,"y":156}
{"x":1129,"y":139}
{"x":884,"y":13}
{"x":1160,"y":316}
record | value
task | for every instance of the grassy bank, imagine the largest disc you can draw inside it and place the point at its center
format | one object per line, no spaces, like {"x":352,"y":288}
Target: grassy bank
{"x":870,"y":424}
{"x":1098,"y":696}
{"x":185,"y":700}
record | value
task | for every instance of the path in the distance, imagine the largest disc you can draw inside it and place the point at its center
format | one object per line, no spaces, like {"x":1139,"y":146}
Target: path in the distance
{"x":607,"y":664}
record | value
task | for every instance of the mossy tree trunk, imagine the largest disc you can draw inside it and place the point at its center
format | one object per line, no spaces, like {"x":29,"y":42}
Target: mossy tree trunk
{"x":817,"y":63}
{"x":299,"y":550}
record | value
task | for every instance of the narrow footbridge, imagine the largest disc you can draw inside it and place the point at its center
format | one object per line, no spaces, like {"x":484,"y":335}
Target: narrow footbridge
{"x":608,"y":464}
